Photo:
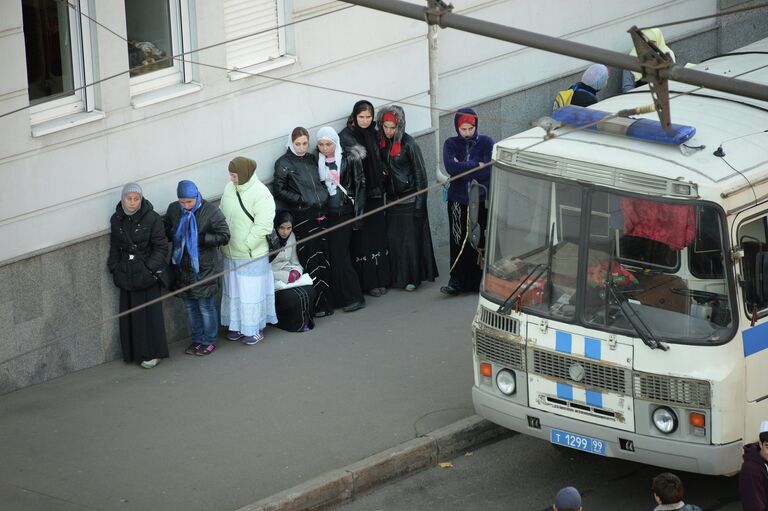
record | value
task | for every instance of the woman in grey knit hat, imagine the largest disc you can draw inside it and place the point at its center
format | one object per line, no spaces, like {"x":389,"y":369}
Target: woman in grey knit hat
{"x":137,"y":255}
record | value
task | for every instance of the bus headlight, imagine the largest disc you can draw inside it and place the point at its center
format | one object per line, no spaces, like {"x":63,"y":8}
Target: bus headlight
{"x":505,"y":381}
{"x":665,"y":420}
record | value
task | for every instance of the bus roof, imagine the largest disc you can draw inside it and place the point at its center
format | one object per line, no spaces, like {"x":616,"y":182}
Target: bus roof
{"x":738,"y":124}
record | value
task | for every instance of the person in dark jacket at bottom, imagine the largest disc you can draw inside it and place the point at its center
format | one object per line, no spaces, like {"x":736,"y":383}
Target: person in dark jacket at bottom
{"x":411,"y":259}
{"x":137,"y":253}
{"x":753,"y":480}
{"x":297,"y":185}
{"x":567,"y":499}
{"x":668,"y":492}
{"x":196,"y":228}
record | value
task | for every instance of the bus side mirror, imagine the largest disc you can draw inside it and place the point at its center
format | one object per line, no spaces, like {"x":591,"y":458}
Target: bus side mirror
{"x":473,"y":210}
{"x":761,"y":277}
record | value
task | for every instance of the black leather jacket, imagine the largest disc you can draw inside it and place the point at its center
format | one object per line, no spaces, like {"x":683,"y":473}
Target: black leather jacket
{"x":297,"y":184}
{"x":406,"y":172}
{"x":353,"y":179}
{"x":137,"y":247}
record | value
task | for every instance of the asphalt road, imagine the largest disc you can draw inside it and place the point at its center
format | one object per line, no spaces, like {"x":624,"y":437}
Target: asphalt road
{"x":524,"y":473}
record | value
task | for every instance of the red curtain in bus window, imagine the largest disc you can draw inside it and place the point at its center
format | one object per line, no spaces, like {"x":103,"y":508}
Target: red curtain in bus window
{"x":674,"y":225}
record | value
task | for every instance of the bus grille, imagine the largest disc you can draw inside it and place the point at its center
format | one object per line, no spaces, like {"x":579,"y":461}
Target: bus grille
{"x":499,"y":321}
{"x":508,"y":354}
{"x":676,"y":391}
{"x":600,"y":376}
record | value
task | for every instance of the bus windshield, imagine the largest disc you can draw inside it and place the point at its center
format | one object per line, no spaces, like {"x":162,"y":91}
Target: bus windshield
{"x":630,"y":261}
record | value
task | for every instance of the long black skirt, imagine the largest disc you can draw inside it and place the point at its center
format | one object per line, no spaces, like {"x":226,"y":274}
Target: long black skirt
{"x":295,"y":308}
{"x":467,"y":271}
{"x":370,"y":252}
{"x":344,"y":283}
{"x":142,"y":333}
{"x":313,"y":256}
{"x":411,"y":257}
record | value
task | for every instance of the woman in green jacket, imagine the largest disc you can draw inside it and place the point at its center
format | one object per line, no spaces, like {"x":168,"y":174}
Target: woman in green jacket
{"x":248,"y":297}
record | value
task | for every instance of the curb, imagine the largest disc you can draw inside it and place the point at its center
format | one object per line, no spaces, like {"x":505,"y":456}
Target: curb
{"x":343,"y":484}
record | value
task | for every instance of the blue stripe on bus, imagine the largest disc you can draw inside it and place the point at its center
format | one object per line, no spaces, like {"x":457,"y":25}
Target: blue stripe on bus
{"x":755,"y":339}
{"x":592,"y":348}
{"x":595,"y":399}
{"x":564,"y":391}
{"x":562,"y":342}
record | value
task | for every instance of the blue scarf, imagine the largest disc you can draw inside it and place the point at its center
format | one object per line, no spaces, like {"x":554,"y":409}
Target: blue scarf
{"x":185,"y":237}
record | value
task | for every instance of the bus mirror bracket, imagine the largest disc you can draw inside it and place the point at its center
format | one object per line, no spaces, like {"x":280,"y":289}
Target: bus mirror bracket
{"x":653,"y":62}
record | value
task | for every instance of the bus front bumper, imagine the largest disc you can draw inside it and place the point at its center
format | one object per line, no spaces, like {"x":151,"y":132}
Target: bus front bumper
{"x":700,"y":458}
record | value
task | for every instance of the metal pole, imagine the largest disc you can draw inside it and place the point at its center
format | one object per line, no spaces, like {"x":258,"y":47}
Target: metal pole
{"x":570,"y":48}
{"x":434,"y":113}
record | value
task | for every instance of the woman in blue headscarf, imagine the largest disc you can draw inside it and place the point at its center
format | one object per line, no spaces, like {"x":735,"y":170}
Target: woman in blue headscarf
{"x":196,"y":229}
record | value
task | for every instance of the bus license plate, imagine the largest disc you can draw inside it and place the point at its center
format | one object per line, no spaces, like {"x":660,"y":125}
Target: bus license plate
{"x":580,"y":442}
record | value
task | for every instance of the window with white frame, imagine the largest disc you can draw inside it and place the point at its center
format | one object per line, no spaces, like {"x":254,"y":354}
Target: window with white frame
{"x":254,"y":29}
{"x":58,"y":58}
{"x":157,"y":33}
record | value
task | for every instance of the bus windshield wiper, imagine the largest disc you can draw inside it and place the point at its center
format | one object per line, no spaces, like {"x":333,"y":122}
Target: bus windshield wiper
{"x":505,"y":307}
{"x":528,"y":282}
{"x":635,"y":320}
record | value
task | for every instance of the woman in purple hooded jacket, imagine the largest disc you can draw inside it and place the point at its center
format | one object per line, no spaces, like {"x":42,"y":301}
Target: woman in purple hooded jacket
{"x":461,"y":153}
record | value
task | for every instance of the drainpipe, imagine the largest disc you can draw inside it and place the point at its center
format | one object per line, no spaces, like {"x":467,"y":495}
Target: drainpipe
{"x":435,"y":9}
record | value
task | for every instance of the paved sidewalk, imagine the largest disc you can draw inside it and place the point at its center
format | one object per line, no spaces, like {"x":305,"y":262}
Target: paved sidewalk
{"x":223,"y":431}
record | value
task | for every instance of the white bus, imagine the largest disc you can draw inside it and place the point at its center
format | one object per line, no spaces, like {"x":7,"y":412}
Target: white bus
{"x":624,"y":305}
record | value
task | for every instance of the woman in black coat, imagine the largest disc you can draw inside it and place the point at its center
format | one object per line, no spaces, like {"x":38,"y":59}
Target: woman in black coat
{"x":297,"y":185}
{"x":196,"y":229}
{"x":370,"y":251}
{"x":411,"y":256}
{"x":137,"y":253}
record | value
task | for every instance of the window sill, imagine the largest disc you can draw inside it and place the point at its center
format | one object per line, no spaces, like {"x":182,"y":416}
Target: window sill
{"x":270,"y":65}
{"x":63,"y":123}
{"x":164,"y":94}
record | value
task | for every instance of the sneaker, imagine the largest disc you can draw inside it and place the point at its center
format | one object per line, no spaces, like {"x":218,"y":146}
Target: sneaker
{"x":375,"y":292}
{"x":323,"y":314}
{"x":450,"y":290}
{"x":250,"y":340}
{"x":205,"y":349}
{"x":352,"y":307}
{"x":383,"y":290}
{"x":233,"y":335}
{"x":410,"y":287}
{"x":149,"y":364}
{"x":193,"y":348}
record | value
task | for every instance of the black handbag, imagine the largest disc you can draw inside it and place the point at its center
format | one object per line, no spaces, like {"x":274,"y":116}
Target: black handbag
{"x":273,"y":242}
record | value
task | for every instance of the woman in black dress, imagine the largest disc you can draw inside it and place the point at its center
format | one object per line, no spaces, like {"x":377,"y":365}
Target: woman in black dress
{"x":411,"y":257}
{"x":137,"y":254}
{"x":370,"y":252}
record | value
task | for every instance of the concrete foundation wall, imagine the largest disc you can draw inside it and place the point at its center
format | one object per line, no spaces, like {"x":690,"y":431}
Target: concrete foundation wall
{"x":55,"y":306}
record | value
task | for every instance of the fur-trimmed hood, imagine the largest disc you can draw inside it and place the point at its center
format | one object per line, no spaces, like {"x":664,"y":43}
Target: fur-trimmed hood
{"x":399,"y":114}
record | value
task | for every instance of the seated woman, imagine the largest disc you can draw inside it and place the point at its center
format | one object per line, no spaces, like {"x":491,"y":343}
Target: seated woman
{"x":294,"y":294}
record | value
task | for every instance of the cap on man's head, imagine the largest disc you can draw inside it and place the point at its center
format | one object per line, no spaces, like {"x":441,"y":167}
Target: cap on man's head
{"x":763,"y":431}
{"x":568,"y":498}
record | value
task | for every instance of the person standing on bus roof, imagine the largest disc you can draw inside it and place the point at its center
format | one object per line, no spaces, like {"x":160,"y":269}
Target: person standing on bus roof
{"x":585,"y":91}
{"x":462,"y":153}
{"x":753,"y":480}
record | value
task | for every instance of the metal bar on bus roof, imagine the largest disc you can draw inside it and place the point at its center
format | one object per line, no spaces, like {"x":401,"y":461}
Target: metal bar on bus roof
{"x":447,"y":19}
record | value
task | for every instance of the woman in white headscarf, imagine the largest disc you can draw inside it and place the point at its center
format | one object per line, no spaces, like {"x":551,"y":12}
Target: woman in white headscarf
{"x":342,"y":174}
{"x":633,"y":79}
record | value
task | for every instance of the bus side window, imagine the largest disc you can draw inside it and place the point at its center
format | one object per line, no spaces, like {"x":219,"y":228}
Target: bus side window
{"x":752,"y":239}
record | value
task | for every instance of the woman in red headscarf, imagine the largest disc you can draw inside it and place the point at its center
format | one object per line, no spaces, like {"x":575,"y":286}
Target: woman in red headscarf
{"x":411,"y":257}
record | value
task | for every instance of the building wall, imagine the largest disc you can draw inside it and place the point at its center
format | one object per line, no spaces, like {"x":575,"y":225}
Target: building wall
{"x":57,"y":191}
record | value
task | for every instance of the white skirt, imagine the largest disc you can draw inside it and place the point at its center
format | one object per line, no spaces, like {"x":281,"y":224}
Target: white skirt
{"x":248,"y":295}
